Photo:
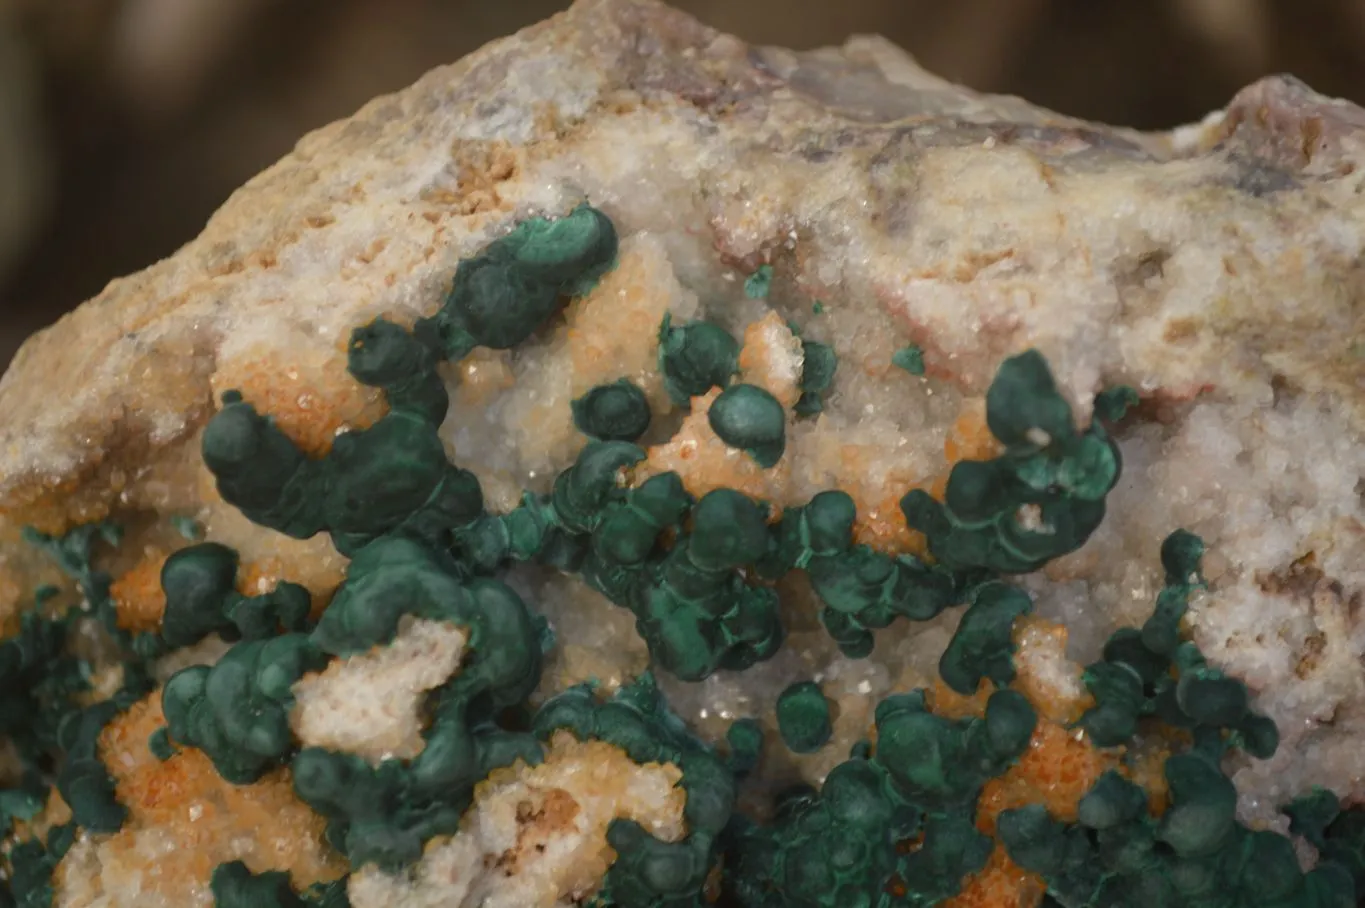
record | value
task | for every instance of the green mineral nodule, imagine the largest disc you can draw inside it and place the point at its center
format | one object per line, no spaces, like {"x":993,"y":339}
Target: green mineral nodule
{"x":30,"y":878}
{"x":1258,"y":736}
{"x":828,"y":522}
{"x":1119,"y":699}
{"x":923,"y":750}
{"x":582,"y":492}
{"x":500,"y":296}
{"x":803,"y":717}
{"x":1008,"y":723}
{"x":983,"y":644}
{"x":1033,"y":839}
{"x":1111,"y":802}
{"x":613,"y":412}
{"x":729,"y":530}
{"x":1023,"y":400}
{"x":852,"y":791}
{"x":820,"y":529}
{"x":160,"y":745}
{"x":910,"y":358}
{"x":1091,"y":470}
{"x":1344,"y":844}
{"x":1181,"y":553}
{"x":1125,"y":645}
{"x":196,"y":581}
{"x":750,"y":418}
{"x":695,"y":357}
{"x":235,"y":886}
{"x":975,"y":491}
{"x":385,"y":478}
{"x":629,"y":530}
{"x":1113,"y":404}
{"x":385,"y":355}
{"x":745,"y":739}
{"x":1211,"y":698}
{"x":819,"y":362}
{"x":1270,"y":867}
{"x":199,"y":583}
{"x":259,"y":470}
{"x":757,"y":285}
{"x":83,"y":781}
{"x":651,"y":870}
{"x":1203,"y":807}
{"x":1311,"y":814}
{"x":1161,"y":630}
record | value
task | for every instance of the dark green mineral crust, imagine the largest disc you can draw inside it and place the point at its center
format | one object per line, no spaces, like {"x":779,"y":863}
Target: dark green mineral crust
{"x":910,"y":358}
{"x":695,"y":357}
{"x":758,"y":284}
{"x":235,"y":886}
{"x":893,"y":826}
{"x":1196,"y":853}
{"x":504,"y":293}
{"x":983,"y":645}
{"x":615,"y":412}
{"x":1151,"y":673}
{"x":803,"y":717}
{"x":819,"y":362}
{"x":750,"y":418}
{"x":847,"y":844}
{"x":200,"y":583}
{"x":1040,"y":499}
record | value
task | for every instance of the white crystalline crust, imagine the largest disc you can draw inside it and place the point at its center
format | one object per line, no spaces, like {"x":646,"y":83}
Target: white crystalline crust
{"x":370,"y":704}
{"x":536,"y":836}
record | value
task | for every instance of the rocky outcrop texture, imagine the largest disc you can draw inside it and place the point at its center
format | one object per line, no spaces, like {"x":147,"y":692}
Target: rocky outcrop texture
{"x":840,"y":197}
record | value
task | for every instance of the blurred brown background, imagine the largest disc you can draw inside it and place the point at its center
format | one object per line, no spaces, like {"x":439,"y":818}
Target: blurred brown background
{"x":125,"y":123}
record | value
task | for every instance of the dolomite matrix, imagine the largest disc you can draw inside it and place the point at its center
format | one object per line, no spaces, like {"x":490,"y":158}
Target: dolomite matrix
{"x":444,"y":525}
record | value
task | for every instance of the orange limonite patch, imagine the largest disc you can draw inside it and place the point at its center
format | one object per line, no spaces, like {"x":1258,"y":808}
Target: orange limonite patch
{"x":970,"y":438}
{"x":611,"y":330}
{"x":943,"y":701}
{"x":207,"y":819}
{"x":137,"y":594}
{"x":1000,"y":884}
{"x":704,"y":462}
{"x":1056,"y":770}
{"x":140,"y":601}
{"x":771,"y":357}
{"x":880,"y":522}
{"x":305,"y":400}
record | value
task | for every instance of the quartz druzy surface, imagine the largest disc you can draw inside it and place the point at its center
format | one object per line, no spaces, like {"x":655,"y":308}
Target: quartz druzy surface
{"x":490,"y":467}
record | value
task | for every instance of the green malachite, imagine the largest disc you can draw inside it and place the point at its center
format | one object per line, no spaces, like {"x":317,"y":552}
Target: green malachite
{"x":615,"y":412}
{"x":695,"y":357}
{"x":751,"y":419}
{"x":803,"y":717}
{"x":894,"y":825}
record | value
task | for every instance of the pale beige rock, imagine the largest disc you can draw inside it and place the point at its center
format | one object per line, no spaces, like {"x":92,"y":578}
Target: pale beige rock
{"x":536,"y":836}
{"x":1215,"y":268}
{"x":370,"y":704}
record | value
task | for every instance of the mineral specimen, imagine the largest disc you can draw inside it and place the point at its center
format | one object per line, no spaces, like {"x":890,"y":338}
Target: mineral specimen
{"x":1077,"y":601}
